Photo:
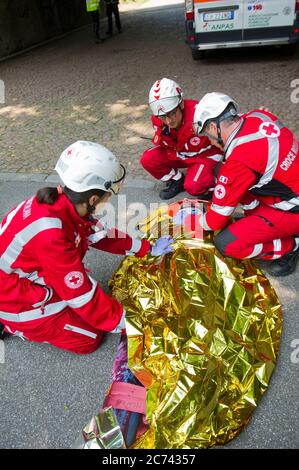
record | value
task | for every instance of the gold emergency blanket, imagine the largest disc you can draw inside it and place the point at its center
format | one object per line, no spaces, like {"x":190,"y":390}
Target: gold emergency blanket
{"x":203,"y":336}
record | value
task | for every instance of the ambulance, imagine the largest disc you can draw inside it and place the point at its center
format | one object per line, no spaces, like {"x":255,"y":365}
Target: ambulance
{"x":216,"y":24}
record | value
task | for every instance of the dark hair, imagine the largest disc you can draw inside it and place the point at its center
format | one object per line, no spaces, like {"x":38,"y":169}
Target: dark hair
{"x":50,"y":195}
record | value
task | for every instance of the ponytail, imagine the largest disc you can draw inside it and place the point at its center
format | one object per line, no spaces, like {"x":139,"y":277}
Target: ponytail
{"x":47,"y":195}
{"x":50,"y":196}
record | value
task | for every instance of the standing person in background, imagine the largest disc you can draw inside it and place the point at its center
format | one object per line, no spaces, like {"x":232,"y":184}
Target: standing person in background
{"x":112,"y":7}
{"x":92,"y":6}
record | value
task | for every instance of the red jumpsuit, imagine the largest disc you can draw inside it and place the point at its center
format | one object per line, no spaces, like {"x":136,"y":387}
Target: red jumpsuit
{"x":46,"y":295}
{"x":260,"y":171}
{"x":182,"y":149}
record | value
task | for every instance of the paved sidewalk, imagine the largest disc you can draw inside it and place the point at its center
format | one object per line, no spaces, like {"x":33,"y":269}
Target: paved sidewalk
{"x":74,"y":89}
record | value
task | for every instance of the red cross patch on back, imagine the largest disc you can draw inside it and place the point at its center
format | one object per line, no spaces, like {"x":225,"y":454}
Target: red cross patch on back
{"x":269,"y":129}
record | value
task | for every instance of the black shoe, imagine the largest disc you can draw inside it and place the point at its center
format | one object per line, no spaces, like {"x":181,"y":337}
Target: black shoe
{"x":173,"y":188}
{"x":120,"y":31}
{"x":99,"y":41}
{"x":3,"y":333}
{"x":109,"y":33}
{"x":285,"y":265}
{"x":208,"y":196}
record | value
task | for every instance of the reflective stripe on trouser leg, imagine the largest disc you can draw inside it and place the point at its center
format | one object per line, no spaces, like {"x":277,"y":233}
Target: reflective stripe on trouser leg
{"x":236,"y":245}
{"x":200,"y":176}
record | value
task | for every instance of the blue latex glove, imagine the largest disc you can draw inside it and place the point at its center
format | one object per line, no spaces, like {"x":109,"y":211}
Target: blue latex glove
{"x":162,"y":246}
{"x":181,"y":215}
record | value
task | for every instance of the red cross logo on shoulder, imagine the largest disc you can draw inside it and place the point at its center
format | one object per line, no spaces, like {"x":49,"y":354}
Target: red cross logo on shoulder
{"x":220,"y":191}
{"x":74,"y":279}
{"x":269,"y":129}
{"x":69,"y":152}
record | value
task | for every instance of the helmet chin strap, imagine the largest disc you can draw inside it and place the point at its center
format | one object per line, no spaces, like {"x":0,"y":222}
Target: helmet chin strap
{"x":219,"y":138}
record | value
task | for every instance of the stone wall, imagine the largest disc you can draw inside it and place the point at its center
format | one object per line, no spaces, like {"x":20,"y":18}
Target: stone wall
{"x":24,"y":23}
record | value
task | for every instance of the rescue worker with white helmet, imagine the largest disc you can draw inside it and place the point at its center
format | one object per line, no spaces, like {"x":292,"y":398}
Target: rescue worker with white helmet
{"x":177,"y":146}
{"x":260,"y":171}
{"x":46,"y":294}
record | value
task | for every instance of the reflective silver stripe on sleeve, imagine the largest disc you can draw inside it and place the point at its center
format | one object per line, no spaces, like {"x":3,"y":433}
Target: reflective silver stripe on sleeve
{"x":183,"y":155}
{"x":136,"y":245}
{"x":204,"y":149}
{"x":252,"y":205}
{"x":97,"y":236}
{"x":81,"y":331}
{"x":83,"y":299}
{"x":10,"y":217}
{"x":277,"y":248}
{"x":121,"y":325}
{"x":192,"y":154}
{"x":223,"y":210}
{"x":287,"y":205}
{"x":15,"y":248}
{"x":256,"y":250}
{"x":35,"y":314}
{"x":217,"y":157}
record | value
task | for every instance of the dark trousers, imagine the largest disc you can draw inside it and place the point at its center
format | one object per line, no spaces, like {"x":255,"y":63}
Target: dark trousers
{"x":113,"y":8}
{"x":96,"y":23}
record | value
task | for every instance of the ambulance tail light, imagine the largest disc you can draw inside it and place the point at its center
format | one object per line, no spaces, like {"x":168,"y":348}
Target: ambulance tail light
{"x":189,"y":9}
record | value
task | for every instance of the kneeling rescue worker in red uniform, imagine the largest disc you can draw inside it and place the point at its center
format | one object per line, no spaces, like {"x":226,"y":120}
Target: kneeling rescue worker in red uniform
{"x":46,"y":295}
{"x":177,"y":146}
{"x":261,"y":172}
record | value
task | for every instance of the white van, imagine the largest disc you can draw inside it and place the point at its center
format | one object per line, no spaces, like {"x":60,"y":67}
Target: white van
{"x":214,"y":24}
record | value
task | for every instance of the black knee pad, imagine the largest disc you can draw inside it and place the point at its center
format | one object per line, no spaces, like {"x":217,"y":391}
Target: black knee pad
{"x":223,"y":239}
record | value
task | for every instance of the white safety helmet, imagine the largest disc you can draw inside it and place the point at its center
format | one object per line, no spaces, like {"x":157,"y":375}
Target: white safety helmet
{"x":164,"y":96}
{"x":86,"y":165}
{"x":212,"y":106}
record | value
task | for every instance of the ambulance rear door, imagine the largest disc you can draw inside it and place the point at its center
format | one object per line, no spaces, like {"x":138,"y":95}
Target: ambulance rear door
{"x":268,"y":19}
{"x":218,"y":21}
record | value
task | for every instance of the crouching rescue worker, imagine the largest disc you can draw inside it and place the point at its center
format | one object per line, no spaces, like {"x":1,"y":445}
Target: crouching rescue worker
{"x":46,"y":295}
{"x":260,"y":171}
{"x":177,"y":146}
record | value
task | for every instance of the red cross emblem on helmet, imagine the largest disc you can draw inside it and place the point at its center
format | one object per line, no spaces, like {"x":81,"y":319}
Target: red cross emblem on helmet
{"x":269,"y":129}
